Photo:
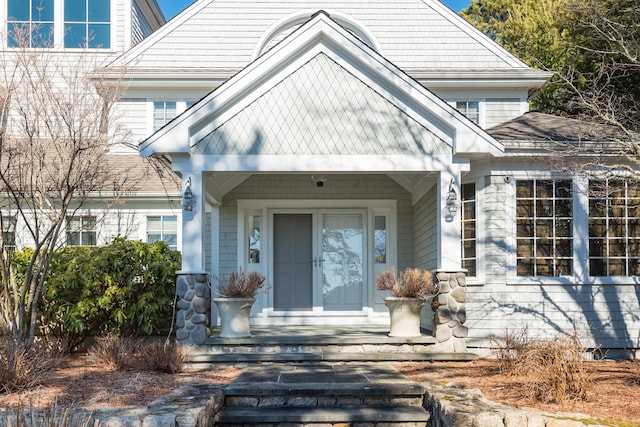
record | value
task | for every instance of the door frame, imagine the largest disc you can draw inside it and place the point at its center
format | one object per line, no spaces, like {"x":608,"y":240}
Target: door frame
{"x":267,"y":208}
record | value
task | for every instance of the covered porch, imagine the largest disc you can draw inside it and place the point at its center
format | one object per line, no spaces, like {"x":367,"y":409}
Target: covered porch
{"x":320,"y":165}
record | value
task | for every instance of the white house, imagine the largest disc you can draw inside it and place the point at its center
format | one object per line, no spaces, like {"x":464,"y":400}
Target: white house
{"x":326,"y":141}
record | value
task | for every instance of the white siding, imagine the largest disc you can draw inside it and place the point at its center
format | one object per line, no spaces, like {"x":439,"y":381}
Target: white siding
{"x":425,"y":231}
{"x":500,"y":110}
{"x":132,"y":115}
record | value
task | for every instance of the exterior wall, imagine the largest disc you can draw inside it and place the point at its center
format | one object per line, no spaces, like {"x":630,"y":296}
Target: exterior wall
{"x":339,"y":187}
{"x":500,"y":110}
{"x":603,"y":315}
{"x":425,"y":231}
{"x":132,"y":115}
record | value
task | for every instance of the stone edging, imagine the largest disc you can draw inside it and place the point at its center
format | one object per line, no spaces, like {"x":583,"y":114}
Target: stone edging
{"x":454,"y":406}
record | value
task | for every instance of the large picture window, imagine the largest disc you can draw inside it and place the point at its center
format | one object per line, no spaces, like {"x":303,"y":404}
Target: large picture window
{"x":469,"y":229}
{"x":544,"y":227}
{"x":30,"y":23}
{"x":614,"y":228}
{"x":87,"y":24}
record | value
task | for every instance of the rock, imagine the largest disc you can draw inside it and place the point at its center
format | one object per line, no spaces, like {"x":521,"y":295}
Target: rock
{"x":182,"y":334}
{"x":162,"y":420}
{"x":182,"y":286}
{"x":198,"y":319}
{"x":459,"y":294}
{"x":442,"y":333}
{"x":188,"y":296}
{"x":201,"y":305}
{"x":460,"y":331}
{"x":183,"y":305}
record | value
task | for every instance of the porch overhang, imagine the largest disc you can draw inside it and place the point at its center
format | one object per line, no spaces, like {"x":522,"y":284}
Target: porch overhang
{"x":321,"y":100}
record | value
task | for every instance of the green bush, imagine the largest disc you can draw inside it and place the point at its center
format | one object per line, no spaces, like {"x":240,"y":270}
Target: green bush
{"x":125,"y":288}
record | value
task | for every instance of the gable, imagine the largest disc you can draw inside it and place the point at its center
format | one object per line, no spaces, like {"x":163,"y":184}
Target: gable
{"x":322,"y":109}
{"x":321,"y":91}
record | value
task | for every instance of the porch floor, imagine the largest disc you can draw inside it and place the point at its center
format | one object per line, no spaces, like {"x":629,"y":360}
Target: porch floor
{"x":320,"y":343}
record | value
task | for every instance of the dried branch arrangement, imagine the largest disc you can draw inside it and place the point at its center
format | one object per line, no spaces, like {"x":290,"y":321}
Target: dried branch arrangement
{"x":412,"y":283}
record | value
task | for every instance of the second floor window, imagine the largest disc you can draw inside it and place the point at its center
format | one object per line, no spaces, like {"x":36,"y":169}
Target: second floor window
{"x":30,"y":23}
{"x":544,"y":227}
{"x":163,"y":113}
{"x":81,"y":230}
{"x":87,"y":24}
{"x":471,"y":109}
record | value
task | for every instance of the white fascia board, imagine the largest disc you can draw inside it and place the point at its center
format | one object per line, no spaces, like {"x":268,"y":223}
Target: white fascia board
{"x":475,"y":34}
{"x":317,"y":163}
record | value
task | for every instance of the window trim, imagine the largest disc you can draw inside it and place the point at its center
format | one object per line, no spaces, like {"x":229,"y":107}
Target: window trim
{"x":580,"y":236}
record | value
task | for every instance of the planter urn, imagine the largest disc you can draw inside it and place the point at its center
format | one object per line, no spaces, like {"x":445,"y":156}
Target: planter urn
{"x":234,"y":316}
{"x":404,"y":314}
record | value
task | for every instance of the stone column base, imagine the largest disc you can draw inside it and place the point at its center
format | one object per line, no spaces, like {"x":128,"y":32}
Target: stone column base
{"x":193,"y":308}
{"x":450,"y":312}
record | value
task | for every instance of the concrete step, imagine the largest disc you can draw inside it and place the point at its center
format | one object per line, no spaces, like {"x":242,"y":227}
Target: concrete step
{"x":351,"y":416}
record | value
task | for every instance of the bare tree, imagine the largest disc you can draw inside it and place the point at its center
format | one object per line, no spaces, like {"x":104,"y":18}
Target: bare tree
{"x":55,"y":133}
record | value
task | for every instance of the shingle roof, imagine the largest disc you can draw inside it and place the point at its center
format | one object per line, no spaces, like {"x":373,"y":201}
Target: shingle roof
{"x":535,"y":126}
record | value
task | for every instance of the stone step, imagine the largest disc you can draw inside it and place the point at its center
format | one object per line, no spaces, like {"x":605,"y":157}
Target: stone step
{"x":204,"y":359}
{"x":398,"y":416}
{"x":258,"y":395}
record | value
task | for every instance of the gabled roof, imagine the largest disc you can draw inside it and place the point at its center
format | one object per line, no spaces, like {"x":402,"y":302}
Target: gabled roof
{"x":215,"y":39}
{"x":407,"y":107}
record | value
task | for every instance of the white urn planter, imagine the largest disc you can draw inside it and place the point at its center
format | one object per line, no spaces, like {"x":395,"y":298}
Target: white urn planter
{"x":404,"y":314}
{"x":234,"y":316}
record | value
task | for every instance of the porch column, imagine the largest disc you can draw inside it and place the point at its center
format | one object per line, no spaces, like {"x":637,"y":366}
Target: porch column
{"x":448,"y":240}
{"x":192,"y":283}
{"x":448,"y":306}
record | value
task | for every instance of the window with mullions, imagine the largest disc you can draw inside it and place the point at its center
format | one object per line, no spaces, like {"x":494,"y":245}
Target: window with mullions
{"x":468,"y":232}
{"x":30,"y":23}
{"x":614,"y":228}
{"x":471,"y":109}
{"x":163,"y":229}
{"x":87,"y":24}
{"x":163,"y":113}
{"x":544,"y":227}
{"x":81,"y":230}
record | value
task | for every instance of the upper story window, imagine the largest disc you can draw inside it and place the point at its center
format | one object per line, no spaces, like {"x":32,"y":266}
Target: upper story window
{"x":30,"y":23}
{"x":163,"y":229}
{"x":468,"y":232}
{"x":544,"y":227}
{"x":87,"y":24}
{"x":614,"y":228}
{"x":163,"y":113}
{"x":81,"y":231}
{"x":471,"y":109}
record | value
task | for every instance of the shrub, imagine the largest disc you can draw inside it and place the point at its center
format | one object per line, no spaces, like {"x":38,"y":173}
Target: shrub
{"x":556,"y":369}
{"x":124,"y":288}
{"x":55,"y":416}
{"x":412,"y":283}
{"x":25,"y":366}
{"x":115,"y":353}
{"x":241,"y":285}
{"x":167,"y":357}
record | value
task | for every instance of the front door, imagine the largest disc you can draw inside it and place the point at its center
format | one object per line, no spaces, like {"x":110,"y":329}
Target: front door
{"x":319,"y":261}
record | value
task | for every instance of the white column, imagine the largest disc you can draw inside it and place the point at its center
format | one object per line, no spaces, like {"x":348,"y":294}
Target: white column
{"x":193,"y":225}
{"x":449,"y":246}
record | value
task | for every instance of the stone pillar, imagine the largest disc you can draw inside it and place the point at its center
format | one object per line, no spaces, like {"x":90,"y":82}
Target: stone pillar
{"x":193,"y":307}
{"x":450,"y":312}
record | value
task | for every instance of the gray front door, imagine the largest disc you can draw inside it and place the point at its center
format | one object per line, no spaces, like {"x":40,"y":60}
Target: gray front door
{"x":293,"y":268}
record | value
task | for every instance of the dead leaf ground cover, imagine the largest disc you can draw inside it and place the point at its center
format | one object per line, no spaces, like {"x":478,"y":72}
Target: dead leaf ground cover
{"x":615,"y":391}
{"x":613,"y":394}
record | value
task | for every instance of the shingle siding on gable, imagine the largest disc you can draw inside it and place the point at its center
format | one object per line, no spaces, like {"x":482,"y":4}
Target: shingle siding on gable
{"x":227,"y":37}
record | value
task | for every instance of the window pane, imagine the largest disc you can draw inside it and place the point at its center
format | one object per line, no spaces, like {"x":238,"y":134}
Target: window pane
{"x":18,"y":10}
{"x":99,"y":11}
{"x":524,"y":189}
{"x":99,"y":36}
{"x":75,"y":10}
{"x":525,"y":248}
{"x":41,"y":10}
{"x":380,"y":239}
{"x":525,"y":267}
{"x":75,"y":35}
{"x":42,"y":35}
{"x":254,"y":239}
